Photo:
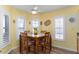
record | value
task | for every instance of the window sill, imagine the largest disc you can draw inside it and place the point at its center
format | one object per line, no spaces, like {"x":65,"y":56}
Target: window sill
{"x":59,"y":40}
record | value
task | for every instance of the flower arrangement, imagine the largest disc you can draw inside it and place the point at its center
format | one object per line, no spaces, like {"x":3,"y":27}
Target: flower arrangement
{"x":35,"y":31}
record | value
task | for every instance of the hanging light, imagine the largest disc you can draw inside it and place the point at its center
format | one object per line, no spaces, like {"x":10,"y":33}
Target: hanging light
{"x":35,"y":10}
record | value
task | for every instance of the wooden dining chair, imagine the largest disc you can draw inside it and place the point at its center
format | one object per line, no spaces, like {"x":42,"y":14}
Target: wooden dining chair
{"x":48,"y":42}
{"x":23,"y":43}
{"x":41,"y":45}
{"x":31,"y":45}
{"x":43,"y":31}
{"x":26,"y":31}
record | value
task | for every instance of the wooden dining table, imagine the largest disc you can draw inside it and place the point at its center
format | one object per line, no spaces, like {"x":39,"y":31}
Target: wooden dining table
{"x":41,"y":43}
{"x":33,"y":35}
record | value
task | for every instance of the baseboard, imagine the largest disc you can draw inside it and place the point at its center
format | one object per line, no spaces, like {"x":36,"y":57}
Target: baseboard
{"x":66,"y":49}
{"x":62,"y":48}
{"x":12,"y":49}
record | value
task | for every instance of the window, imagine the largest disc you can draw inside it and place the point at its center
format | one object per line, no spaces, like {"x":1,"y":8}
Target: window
{"x":5,"y":31}
{"x":35,"y":24}
{"x":59,"y":28}
{"x":20,"y":26}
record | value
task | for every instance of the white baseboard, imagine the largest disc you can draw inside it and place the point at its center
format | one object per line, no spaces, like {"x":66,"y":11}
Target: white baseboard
{"x":12,"y":49}
{"x":66,"y":48}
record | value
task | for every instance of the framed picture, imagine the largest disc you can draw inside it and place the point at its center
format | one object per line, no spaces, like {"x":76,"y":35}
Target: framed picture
{"x":40,"y":22}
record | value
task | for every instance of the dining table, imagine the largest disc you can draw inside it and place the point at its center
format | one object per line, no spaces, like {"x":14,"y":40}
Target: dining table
{"x":35,"y":43}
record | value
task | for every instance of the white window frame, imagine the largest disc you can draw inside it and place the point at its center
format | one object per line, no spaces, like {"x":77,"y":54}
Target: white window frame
{"x":17,"y":38}
{"x":63,"y":28}
{"x":3,"y":12}
{"x":35,"y":19}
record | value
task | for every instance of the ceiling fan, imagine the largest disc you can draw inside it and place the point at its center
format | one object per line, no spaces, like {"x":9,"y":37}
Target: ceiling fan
{"x":35,"y":10}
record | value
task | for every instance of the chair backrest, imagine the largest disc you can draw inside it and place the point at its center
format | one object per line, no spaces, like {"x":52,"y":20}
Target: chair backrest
{"x":43,"y":31}
{"x":27,"y":31}
{"x":47,"y":37}
{"x":47,"y":34}
{"x":23,"y":42}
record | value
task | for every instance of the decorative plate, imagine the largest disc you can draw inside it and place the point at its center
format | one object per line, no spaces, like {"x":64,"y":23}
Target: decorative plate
{"x":47,"y":22}
{"x":72,"y":19}
{"x":40,"y":22}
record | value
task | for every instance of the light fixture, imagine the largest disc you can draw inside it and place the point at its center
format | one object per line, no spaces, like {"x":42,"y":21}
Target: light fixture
{"x":35,"y":10}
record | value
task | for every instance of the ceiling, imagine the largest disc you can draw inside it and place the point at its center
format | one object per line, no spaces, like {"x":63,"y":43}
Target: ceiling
{"x":41,"y":8}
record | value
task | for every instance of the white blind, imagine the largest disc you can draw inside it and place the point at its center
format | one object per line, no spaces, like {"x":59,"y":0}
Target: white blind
{"x":59,"y":28}
{"x":20,"y":26}
{"x":35,"y":24}
{"x":5,"y":31}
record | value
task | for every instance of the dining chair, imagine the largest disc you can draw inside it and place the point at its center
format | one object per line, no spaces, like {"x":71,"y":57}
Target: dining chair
{"x":31,"y":45}
{"x":23,"y":43}
{"x":43,"y":31}
{"x":41,"y":45}
{"x":48,"y":42}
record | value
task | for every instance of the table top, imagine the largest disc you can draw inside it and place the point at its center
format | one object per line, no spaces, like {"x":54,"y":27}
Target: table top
{"x":38,"y":35}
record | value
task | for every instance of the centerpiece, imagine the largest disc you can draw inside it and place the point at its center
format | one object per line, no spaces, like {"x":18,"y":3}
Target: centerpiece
{"x":35,"y":31}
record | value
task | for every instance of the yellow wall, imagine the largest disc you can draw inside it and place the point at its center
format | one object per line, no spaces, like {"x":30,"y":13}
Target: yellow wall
{"x":14,"y":13}
{"x":71,"y":29}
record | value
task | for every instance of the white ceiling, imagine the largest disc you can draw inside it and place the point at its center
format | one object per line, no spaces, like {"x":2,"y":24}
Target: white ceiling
{"x":41,"y":8}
